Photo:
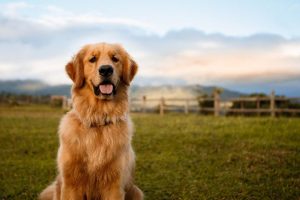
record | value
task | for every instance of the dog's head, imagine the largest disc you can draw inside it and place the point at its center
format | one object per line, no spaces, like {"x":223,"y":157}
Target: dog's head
{"x":103,"y":67}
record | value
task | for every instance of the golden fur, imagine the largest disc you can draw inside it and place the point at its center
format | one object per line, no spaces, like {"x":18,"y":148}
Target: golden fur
{"x":95,"y":158}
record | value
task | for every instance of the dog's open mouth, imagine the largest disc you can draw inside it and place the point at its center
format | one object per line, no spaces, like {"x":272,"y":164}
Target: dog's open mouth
{"x":105,"y":89}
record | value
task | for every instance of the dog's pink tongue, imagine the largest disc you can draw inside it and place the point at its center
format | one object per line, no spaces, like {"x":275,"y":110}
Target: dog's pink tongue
{"x":106,"y":89}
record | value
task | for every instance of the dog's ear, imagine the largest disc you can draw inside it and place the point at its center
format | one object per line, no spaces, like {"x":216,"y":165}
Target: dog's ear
{"x":130,"y":67}
{"x":129,"y":70}
{"x":75,"y":68}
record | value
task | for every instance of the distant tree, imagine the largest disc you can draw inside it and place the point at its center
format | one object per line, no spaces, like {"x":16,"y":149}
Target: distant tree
{"x":264,"y":102}
{"x":22,"y":99}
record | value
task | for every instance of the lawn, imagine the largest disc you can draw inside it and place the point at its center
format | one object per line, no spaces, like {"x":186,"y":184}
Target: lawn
{"x":178,"y":156}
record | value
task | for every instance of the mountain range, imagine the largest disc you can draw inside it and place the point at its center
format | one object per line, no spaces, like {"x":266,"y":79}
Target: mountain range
{"x":36,"y":87}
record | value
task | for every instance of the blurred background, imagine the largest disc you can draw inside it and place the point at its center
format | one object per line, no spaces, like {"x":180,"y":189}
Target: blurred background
{"x":248,"y":46}
{"x":197,"y":60}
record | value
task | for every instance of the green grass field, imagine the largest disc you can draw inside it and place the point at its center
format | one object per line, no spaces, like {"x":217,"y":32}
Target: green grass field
{"x":178,"y":156}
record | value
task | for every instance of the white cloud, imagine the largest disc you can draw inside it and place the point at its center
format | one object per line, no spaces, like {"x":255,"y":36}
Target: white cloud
{"x":40,"y":45}
{"x":55,"y":17}
{"x":12,"y":9}
{"x":291,"y":50}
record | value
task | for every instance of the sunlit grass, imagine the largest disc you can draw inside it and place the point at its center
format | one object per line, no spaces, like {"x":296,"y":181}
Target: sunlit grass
{"x":178,"y":156}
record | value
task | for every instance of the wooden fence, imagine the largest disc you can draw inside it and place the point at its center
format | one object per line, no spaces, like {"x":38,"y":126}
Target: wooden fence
{"x":219,"y":107}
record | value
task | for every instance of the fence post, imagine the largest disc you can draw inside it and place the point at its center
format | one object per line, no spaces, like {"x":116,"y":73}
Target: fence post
{"x":258,"y":106}
{"x":161,"y":106}
{"x":186,"y":107}
{"x":272,"y":104}
{"x":217,"y":103}
{"x":144,"y":104}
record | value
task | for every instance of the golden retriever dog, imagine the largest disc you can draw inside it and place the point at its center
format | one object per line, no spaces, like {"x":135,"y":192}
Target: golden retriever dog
{"x":95,"y":158}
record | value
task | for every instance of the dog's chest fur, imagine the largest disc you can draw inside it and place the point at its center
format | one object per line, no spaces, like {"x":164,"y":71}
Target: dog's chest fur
{"x":102,"y":144}
{"x":103,"y":152}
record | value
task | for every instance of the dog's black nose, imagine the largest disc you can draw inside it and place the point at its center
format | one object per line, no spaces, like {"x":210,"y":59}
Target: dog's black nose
{"x":106,"y":70}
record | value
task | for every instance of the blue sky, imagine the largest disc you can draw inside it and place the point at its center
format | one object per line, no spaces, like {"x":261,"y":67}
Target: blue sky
{"x":231,"y":17}
{"x":244,"y":45}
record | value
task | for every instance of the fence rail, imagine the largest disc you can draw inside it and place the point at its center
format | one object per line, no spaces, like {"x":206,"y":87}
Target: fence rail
{"x":220,"y":107}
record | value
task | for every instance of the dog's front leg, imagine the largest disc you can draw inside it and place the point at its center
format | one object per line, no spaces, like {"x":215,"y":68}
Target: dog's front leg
{"x":113,"y":192}
{"x":70,"y":192}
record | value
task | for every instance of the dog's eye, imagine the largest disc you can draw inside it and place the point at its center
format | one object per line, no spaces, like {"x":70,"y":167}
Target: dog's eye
{"x":93,"y":59}
{"x":114,"y":58}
